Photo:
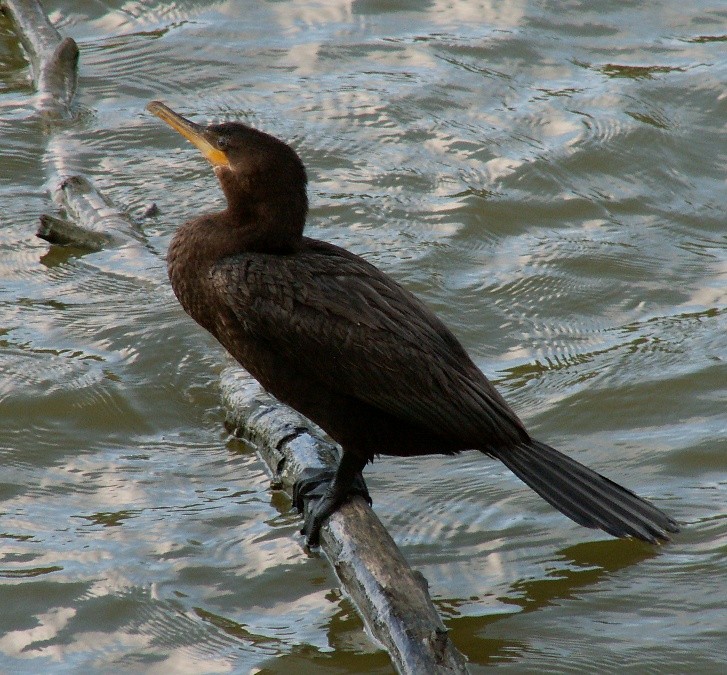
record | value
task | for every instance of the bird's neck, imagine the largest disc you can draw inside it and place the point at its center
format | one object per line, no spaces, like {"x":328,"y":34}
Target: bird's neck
{"x":268,"y":216}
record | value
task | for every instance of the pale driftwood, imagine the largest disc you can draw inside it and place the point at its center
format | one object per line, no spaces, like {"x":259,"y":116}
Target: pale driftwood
{"x":92,"y":220}
{"x":392,"y":598}
{"x":53,"y":60}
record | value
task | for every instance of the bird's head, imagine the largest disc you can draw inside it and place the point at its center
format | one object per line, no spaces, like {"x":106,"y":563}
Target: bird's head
{"x":262,"y":177}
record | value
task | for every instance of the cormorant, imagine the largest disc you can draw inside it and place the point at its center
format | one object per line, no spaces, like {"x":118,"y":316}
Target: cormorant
{"x":332,"y":336}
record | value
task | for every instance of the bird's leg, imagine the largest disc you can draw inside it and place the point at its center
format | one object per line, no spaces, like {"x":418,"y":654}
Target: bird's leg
{"x":328,"y":490}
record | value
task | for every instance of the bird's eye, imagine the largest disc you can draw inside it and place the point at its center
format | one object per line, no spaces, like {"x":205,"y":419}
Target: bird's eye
{"x":223,"y":143}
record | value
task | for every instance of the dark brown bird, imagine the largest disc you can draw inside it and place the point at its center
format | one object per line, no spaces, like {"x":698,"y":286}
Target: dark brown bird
{"x":330,"y":335}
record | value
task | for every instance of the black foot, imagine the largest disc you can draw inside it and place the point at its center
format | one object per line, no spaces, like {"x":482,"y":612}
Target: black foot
{"x":312,"y":484}
{"x":317,"y":495}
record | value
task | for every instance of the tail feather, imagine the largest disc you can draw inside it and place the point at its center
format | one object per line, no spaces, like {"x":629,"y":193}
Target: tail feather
{"x":585,"y":496}
{"x":599,"y":502}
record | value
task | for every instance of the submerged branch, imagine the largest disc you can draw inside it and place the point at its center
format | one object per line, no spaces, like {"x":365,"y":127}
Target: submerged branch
{"x":95,"y":222}
{"x":92,"y":222}
{"x":53,"y":60}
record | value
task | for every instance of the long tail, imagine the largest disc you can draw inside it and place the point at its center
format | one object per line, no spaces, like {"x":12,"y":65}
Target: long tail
{"x":586,"y":496}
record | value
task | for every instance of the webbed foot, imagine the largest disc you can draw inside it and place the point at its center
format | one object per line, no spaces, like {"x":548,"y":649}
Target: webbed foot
{"x":319,"y":493}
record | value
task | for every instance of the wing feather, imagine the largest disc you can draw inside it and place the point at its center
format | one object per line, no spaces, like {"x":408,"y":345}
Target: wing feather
{"x":362,"y":334}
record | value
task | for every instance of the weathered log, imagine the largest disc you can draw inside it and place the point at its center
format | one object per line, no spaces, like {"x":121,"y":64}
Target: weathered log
{"x":92,"y":219}
{"x":53,"y":60}
{"x":392,"y":598}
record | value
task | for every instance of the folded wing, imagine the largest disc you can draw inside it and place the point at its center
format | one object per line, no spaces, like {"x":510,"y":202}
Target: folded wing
{"x":365,"y":336}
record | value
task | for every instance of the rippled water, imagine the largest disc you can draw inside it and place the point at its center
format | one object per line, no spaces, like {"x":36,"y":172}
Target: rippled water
{"x":549,"y":177}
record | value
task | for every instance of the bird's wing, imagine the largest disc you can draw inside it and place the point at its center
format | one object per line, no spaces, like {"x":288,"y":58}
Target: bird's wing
{"x":362,"y":334}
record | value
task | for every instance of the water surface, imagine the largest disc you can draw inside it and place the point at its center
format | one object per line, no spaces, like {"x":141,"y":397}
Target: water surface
{"x":549,"y":177}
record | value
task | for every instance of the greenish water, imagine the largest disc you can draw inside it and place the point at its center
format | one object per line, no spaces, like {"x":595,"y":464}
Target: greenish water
{"x":549,"y":177}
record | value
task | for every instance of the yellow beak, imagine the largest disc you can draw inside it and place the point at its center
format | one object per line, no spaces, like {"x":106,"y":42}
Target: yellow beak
{"x":200,"y":136}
